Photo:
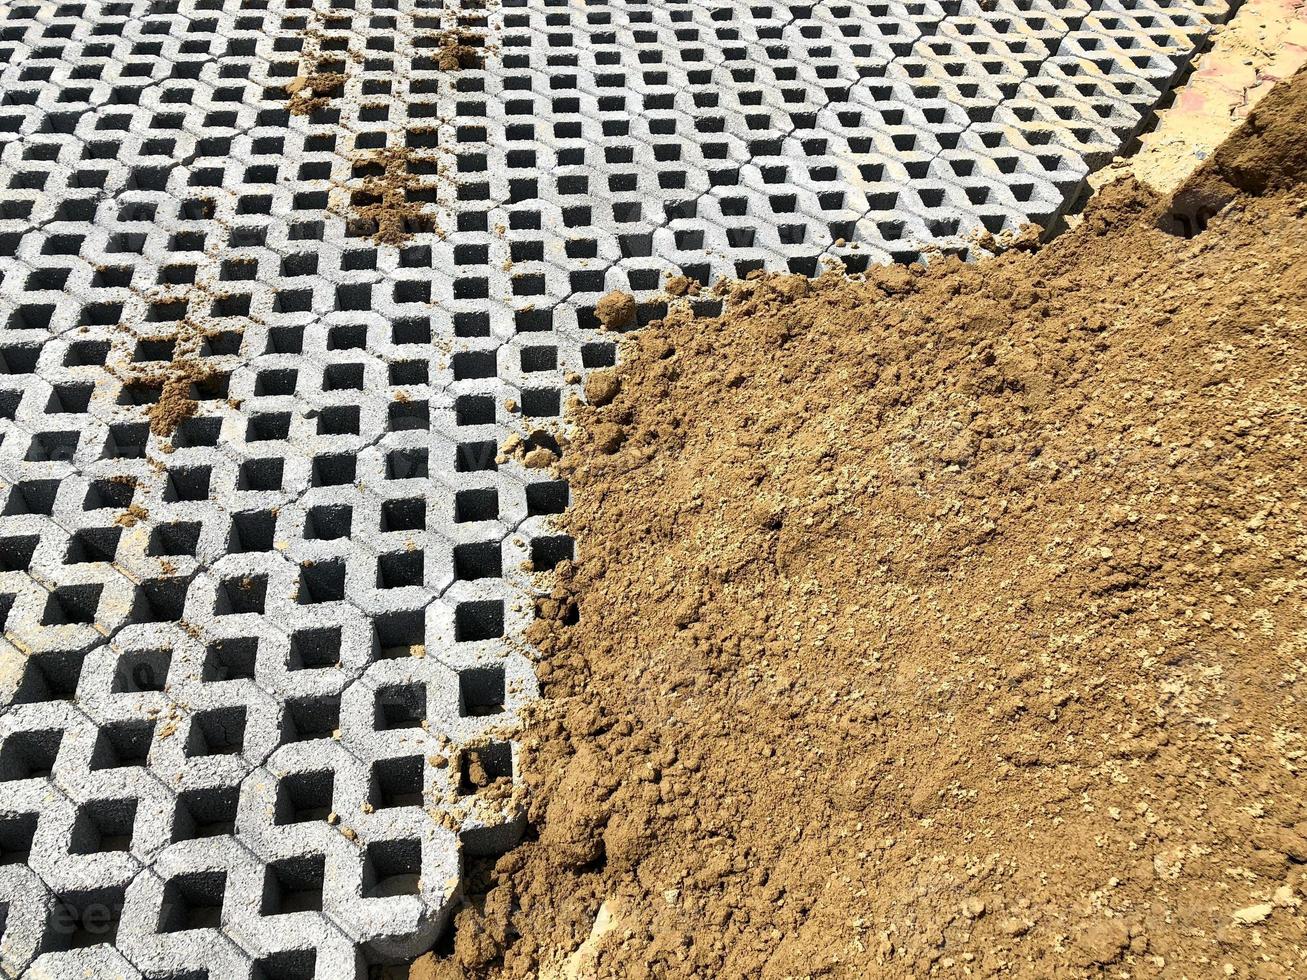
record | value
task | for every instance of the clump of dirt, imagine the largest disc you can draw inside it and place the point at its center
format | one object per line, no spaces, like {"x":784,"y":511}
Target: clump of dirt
{"x":389,"y":191}
{"x":616,"y":310}
{"x":944,"y":621}
{"x":678,"y":286}
{"x":539,"y":450}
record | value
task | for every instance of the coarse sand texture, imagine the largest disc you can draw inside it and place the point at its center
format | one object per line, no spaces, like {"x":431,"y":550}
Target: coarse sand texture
{"x":943,"y":621}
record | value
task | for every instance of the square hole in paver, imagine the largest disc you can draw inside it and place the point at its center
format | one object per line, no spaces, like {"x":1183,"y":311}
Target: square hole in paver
{"x":411,"y":331}
{"x":309,"y":717}
{"x":241,"y":594}
{"x":160,"y":600}
{"x":327,"y":522}
{"x":541,"y":403}
{"x":29,"y":755}
{"x":292,"y":964}
{"x":86,"y":918}
{"x":484,"y":765}
{"x":392,"y":867}
{"x":338,"y":420}
{"x":116,"y":494}
{"x":103,"y":825}
{"x":285,"y":340}
{"x":549,"y":550}
{"x":217,"y":731}
{"x":477,"y":505}
{"x":261,"y":474}
{"x":32,"y":497}
{"x":141,"y":670}
{"x":52,"y":447}
{"x":16,"y":552}
{"x":280,"y":381}
{"x":176,"y":539}
{"x":407,"y":464}
{"x":49,"y":677}
{"x":268,"y":427}
{"x":407,"y":415}
{"x":17,"y":831}
{"x":409,"y":514}
{"x":539,"y":358}
{"x":72,"y":604}
{"x":314,"y":648}
{"x":410,"y":373}
{"x":252,"y":531}
{"x":399,"y":634}
{"x":209,"y":812}
{"x":481,"y":619}
{"x":474,"y":410}
{"x":154,"y":349}
{"x":293,"y":885}
{"x":481,"y":691}
{"x":87,"y":353}
{"x":476,"y":456}
{"x":396,"y":782}
{"x":189,"y":483}
{"x":322,"y":581}
{"x":304,"y":797}
{"x":140,"y":393}
{"x":121,"y":744}
{"x":230,"y":659}
{"x":479,"y":560}
{"x":69,"y":399}
{"x":126,"y":440}
{"x":400,"y":706}
{"x":334,"y":469}
{"x":342,"y":377}
{"x":197,"y":432}
{"x":193,"y":901}
{"x":400,"y":569}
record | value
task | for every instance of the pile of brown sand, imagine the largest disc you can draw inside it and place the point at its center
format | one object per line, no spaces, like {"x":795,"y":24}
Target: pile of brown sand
{"x":948,"y":621}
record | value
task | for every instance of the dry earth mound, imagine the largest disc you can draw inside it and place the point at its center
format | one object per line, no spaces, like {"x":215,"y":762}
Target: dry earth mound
{"x":945,"y":621}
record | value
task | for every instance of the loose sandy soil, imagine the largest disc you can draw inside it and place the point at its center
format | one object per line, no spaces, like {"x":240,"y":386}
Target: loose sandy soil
{"x":943,"y":621}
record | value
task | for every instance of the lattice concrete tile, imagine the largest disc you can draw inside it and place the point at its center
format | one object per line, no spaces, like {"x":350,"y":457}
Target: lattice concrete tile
{"x":278,"y":278}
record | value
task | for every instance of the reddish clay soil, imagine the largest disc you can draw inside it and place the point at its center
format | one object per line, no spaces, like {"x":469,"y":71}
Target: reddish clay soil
{"x":942,"y":621}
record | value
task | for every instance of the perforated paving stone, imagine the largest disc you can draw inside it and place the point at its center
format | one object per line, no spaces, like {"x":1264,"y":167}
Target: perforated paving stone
{"x":271,"y":274}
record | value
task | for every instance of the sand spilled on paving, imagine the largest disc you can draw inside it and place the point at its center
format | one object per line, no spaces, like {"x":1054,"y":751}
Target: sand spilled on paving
{"x":945,"y":621}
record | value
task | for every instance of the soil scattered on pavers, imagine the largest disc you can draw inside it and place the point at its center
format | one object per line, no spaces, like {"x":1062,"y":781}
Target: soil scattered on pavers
{"x":176,"y":404}
{"x":177,"y":379}
{"x":941,"y":621}
{"x":307,"y":94}
{"x":389,"y":191}
{"x":459,"y":48}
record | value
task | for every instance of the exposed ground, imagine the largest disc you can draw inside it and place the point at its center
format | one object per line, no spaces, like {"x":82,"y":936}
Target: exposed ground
{"x":1264,"y":43}
{"x":941,"y":621}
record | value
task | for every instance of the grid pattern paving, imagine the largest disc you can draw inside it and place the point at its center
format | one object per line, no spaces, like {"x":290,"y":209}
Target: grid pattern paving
{"x":278,"y":278}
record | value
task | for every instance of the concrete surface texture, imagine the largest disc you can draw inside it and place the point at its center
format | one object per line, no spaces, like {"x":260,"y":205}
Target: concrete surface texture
{"x":278,"y":278}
